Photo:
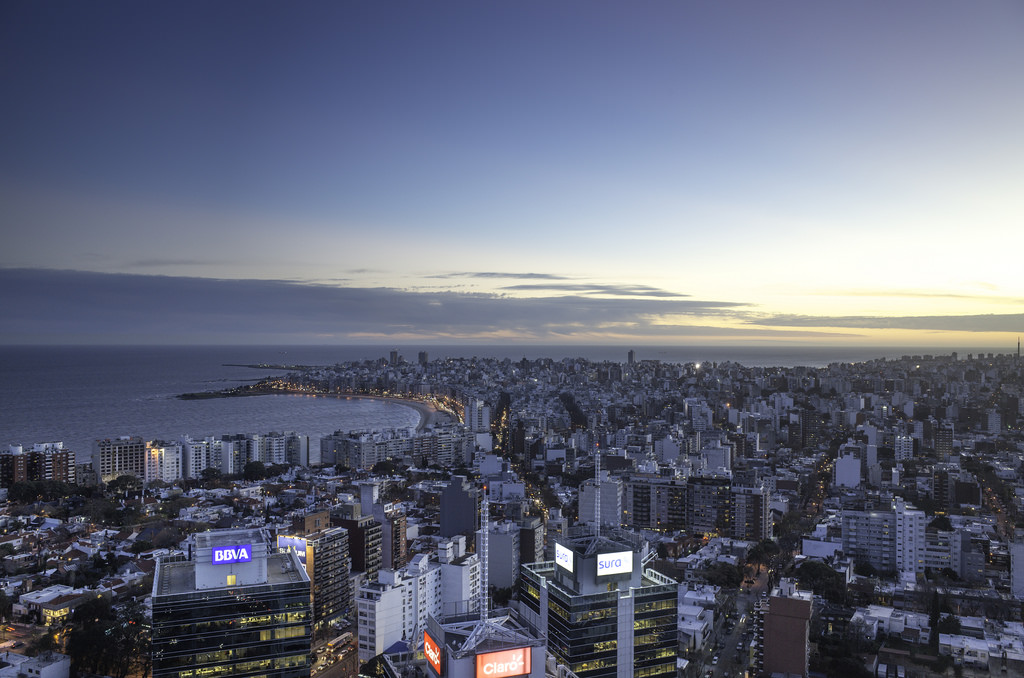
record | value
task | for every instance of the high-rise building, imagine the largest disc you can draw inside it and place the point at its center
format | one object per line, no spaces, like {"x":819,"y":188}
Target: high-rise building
{"x":610,"y":501}
{"x":324,"y":555}
{"x":459,"y":508}
{"x":235,"y":609}
{"x":709,"y":504}
{"x":889,"y":540}
{"x":163,"y":461}
{"x":503,"y":545}
{"x":784,"y":625}
{"x":120,"y":457}
{"x":365,"y":540}
{"x":603,"y":613}
{"x":45,"y":461}
{"x":751,"y":514}
{"x":654,"y":503}
{"x":531,"y":539}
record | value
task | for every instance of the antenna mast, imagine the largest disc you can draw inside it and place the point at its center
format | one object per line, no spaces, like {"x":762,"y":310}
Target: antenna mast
{"x":485,"y":509}
{"x":597,"y":493}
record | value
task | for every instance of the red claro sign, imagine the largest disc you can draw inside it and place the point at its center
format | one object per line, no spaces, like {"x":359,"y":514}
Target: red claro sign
{"x":433,"y":652}
{"x":505,"y":663}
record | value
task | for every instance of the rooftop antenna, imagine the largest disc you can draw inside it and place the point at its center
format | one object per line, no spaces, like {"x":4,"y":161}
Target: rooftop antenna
{"x":485,"y":509}
{"x":597,"y":493}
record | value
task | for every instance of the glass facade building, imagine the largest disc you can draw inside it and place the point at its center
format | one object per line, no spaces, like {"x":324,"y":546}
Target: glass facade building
{"x":235,"y":610}
{"x":602,"y":620}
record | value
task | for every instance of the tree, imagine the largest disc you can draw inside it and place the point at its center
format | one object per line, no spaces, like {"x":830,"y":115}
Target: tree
{"x":124,"y":485}
{"x":44,"y":643}
{"x":212,"y":477}
{"x":254,"y":470}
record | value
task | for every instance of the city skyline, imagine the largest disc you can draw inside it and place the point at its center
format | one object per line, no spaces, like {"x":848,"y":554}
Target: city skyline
{"x":531,"y":173}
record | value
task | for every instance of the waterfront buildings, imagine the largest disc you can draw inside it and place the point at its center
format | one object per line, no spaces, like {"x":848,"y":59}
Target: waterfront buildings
{"x":44,"y":461}
{"x":235,"y":609}
{"x":120,"y":456}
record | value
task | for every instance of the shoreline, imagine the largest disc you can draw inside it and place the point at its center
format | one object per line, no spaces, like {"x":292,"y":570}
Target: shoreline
{"x":429,"y":415}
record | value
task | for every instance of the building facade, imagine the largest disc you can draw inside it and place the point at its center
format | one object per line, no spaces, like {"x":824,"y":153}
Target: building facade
{"x":236,"y":609}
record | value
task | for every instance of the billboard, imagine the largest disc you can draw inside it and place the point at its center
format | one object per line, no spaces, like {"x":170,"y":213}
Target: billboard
{"x":297,"y":544}
{"x":614,"y":563}
{"x":240,"y":553}
{"x":563,"y":556}
{"x":504,"y":663}
{"x":433,"y":652}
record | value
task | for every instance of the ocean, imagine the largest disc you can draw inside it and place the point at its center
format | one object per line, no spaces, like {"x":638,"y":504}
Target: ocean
{"x":78,"y":394}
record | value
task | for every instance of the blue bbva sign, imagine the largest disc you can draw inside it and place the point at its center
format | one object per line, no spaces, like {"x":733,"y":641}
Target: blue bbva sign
{"x":222,"y":555}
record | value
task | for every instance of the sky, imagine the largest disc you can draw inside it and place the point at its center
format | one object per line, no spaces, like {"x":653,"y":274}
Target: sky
{"x":779,"y":173}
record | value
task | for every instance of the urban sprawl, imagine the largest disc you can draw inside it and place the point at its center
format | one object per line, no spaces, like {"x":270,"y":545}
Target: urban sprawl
{"x":546,"y":518}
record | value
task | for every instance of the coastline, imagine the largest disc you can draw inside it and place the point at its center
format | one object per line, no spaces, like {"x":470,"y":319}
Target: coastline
{"x":429,"y":415}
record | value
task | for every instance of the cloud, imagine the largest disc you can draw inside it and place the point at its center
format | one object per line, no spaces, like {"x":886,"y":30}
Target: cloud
{"x":1009,"y":322}
{"x":500,"y":275}
{"x":72,"y":306}
{"x":616,"y":290}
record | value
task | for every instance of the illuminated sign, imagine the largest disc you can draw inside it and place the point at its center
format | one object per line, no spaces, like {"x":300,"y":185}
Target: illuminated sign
{"x":563,"y":556}
{"x":505,"y":663}
{"x":222,"y":555}
{"x":297,"y":544}
{"x":614,"y":563}
{"x":433,"y":652}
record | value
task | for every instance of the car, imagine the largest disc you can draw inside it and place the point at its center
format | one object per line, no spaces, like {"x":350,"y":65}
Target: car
{"x":18,"y":644}
{"x":714,"y":660}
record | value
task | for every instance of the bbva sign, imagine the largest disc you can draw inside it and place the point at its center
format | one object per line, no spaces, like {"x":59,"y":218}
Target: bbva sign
{"x":222,"y":555}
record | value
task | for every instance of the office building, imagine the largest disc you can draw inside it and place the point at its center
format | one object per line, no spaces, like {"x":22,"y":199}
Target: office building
{"x":235,"y":609}
{"x":496,"y":647}
{"x":603,"y":613}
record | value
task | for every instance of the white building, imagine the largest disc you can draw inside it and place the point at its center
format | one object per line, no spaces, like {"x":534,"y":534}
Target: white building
{"x":396,"y":606}
{"x":163,"y":461}
{"x":611,"y":501}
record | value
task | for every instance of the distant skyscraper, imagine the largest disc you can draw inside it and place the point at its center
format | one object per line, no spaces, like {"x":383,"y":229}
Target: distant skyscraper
{"x":631,"y":357}
{"x":394,"y":357}
{"x":236,"y":609}
{"x":423,"y":358}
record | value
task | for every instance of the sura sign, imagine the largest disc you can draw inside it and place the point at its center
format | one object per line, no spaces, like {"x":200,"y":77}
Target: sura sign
{"x":223,"y":555}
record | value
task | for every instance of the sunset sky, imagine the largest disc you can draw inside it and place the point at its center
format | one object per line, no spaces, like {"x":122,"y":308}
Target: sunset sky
{"x":536,"y":172}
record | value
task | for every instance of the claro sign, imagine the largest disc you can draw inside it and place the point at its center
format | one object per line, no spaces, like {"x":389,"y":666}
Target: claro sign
{"x":614,"y":563}
{"x":222,"y":555}
{"x":433,"y":652}
{"x":505,"y":663}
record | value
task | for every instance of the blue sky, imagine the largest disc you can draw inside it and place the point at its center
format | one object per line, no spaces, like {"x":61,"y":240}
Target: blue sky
{"x":787,"y":172}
